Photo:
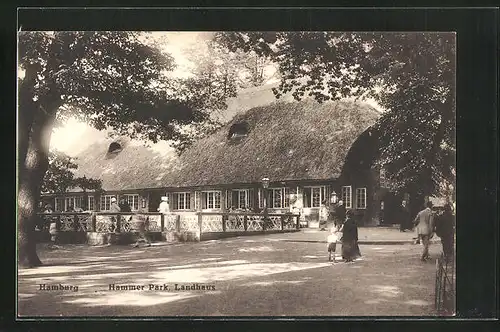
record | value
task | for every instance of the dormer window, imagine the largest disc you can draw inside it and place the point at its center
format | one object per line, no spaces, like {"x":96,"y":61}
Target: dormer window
{"x":238,"y":130}
{"x":114,"y":147}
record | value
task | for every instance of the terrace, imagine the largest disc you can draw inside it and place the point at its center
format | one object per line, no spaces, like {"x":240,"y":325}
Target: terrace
{"x":120,"y":228}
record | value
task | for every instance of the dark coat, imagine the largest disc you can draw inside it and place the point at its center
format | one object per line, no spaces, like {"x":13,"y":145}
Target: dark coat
{"x":340,"y":212}
{"x":405,"y":218}
{"x":445,"y":225}
{"x":350,"y":231}
{"x":350,"y":248}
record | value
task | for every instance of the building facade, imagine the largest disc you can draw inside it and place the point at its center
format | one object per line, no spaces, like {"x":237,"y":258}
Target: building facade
{"x":310,"y":153}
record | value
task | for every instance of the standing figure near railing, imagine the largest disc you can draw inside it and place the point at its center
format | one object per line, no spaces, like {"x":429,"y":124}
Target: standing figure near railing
{"x":114,"y":208}
{"x":164,"y":206}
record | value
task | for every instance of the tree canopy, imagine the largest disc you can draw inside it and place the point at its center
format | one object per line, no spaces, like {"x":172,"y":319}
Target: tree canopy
{"x":107,"y":79}
{"x":411,"y":75}
{"x":60,"y":175}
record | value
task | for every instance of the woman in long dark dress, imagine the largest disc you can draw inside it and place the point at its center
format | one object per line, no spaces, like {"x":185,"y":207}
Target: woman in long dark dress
{"x":349,"y":238}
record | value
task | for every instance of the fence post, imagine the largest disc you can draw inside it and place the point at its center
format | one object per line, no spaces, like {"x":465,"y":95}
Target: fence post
{"x":162,"y":222}
{"x":118,"y":223}
{"x":94,"y":222}
{"x":245,"y":222}
{"x":178,"y":223}
{"x":282,"y":217}
{"x":224,"y":216}
{"x":200,"y":223}
{"x":76,"y":224}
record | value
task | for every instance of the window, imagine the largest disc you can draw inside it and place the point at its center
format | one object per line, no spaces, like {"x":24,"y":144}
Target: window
{"x":59,"y":204}
{"x":133,"y":201}
{"x":238,"y":130}
{"x":347,"y":196}
{"x":361,"y":198}
{"x":383,"y":179}
{"x":90,"y":205}
{"x":314,"y":196}
{"x":71,"y":203}
{"x":210,"y":200}
{"x":106,"y":202}
{"x":278,"y":198}
{"x":240,"y":199}
{"x":114,"y":147}
{"x":181,"y":201}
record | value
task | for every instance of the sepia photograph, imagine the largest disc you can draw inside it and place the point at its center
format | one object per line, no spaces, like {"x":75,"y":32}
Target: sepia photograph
{"x":236,"y":173}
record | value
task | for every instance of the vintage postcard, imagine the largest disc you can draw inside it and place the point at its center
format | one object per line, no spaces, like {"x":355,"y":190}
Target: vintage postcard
{"x":284,"y":174}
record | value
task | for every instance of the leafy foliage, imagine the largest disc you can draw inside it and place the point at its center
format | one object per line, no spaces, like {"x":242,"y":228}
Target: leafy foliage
{"x":411,"y":75}
{"x":60,"y":177}
{"x":109,"y":79}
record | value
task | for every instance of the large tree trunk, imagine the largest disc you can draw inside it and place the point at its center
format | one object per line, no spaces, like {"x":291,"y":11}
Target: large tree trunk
{"x":31,"y":174}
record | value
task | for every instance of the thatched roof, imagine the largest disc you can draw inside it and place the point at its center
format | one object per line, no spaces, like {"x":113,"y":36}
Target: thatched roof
{"x":286,"y":141}
{"x":136,"y":166}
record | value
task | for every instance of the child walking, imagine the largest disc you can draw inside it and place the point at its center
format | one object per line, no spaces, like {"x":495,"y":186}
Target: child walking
{"x":332,"y":242}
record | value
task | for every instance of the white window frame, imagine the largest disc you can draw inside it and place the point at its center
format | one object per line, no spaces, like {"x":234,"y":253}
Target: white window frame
{"x":102,"y":207}
{"x":382,"y":178}
{"x":90,"y":203}
{"x":361,"y":193}
{"x":187,"y":201}
{"x":132,"y":199}
{"x":347,"y":202}
{"x":209,"y":197}
{"x":76,"y":200}
{"x":322,"y":195}
{"x":59,"y":204}
{"x":246,"y":198}
{"x":284,"y":201}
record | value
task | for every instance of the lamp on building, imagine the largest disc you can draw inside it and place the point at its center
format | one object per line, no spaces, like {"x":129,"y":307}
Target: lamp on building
{"x":265,"y":183}
{"x":143,"y":200}
{"x":333,"y":197}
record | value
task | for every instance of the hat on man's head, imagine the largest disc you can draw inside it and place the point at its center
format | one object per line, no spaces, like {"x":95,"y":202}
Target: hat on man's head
{"x":164,"y":198}
{"x":113,"y":199}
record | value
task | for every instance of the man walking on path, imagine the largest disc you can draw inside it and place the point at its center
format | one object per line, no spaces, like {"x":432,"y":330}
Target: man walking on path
{"x":140,"y":225}
{"x":424,"y":222}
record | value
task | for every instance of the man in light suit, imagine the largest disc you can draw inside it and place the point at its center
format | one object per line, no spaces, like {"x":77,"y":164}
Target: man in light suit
{"x":424,"y":221}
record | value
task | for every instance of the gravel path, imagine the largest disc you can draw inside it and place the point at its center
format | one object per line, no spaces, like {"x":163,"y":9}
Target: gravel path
{"x":256,"y":276}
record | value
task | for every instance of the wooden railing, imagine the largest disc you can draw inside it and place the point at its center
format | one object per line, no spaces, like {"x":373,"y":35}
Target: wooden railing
{"x":203,"y":222}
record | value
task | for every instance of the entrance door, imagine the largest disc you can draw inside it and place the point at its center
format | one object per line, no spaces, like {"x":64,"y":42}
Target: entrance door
{"x":391,"y":207}
{"x":155,"y":200}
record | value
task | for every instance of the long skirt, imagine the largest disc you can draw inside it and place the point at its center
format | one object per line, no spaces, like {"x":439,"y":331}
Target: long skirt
{"x":349,"y":250}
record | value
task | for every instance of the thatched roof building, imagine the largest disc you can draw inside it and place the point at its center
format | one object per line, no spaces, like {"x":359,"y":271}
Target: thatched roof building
{"x":284,"y":141}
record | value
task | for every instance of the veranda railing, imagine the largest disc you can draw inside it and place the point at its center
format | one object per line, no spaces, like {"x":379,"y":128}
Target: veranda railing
{"x":203,"y":222}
